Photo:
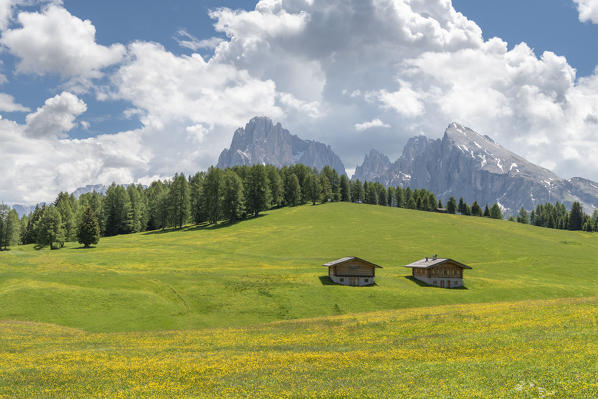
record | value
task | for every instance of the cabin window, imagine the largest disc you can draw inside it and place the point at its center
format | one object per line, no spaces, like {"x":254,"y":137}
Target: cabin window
{"x":342,"y":280}
{"x":367,"y":280}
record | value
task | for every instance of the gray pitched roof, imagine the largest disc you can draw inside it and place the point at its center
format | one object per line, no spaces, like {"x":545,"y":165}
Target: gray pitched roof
{"x":347,"y":259}
{"x":428,"y":263}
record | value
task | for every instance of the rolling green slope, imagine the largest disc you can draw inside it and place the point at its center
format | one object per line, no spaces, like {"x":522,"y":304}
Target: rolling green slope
{"x":269,"y":269}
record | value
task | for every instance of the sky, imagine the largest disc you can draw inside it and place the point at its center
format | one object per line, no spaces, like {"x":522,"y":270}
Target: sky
{"x":113,"y":91}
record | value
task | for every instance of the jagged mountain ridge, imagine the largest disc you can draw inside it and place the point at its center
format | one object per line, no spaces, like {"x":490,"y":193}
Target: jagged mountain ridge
{"x":466,"y":164}
{"x":263,"y":142}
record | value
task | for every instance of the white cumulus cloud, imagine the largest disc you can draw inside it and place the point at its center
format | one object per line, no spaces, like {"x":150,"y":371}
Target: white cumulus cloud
{"x":8,"y":104}
{"x":360,"y":127}
{"x":56,"y":117}
{"x":55,"y":42}
{"x":588,"y":10}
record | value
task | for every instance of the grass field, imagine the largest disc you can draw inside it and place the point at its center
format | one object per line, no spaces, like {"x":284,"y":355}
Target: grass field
{"x":228,"y":310}
{"x":507,"y":350}
{"x":269,"y":269}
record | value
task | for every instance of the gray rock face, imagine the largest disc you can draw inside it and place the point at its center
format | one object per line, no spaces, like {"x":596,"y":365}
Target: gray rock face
{"x":262,"y":142}
{"x":466,"y":164}
{"x":90,"y":188}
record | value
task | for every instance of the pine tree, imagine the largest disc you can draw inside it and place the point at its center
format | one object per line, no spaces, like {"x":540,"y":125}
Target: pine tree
{"x":486,"y":211}
{"x":64,"y":205}
{"x":51,"y":229}
{"x":576,"y":217}
{"x":5,"y":227}
{"x":116,"y":210}
{"x":275,"y":186}
{"x":381,"y":191}
{"x":476,"y":210}
{"x":179,"y":200}
{"x":325,"y":189}
{"x":400,"y":197}
{"x":233,"y":201}
{"x":451,"y":206}
{"x":89,"y":228}
{"x":313,"y":188}
{"x":357,"y":193}
{"x":293,"y":195}
{"x":391,"y":197}
{"x":258,"y":192}
{"x":196,"y":197}
{"x":522,"y":216}
{"x":212,"y":192}
{"x":371,"y":194}
{"x":495,"y":212}
{"x":345,"y":188}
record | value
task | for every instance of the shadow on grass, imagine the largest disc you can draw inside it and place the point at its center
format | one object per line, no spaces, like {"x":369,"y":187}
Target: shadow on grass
{"x":422,"y":284}
{"x":202,"y":226}
{"x":325,"y":280}
{"x":84,"y":247}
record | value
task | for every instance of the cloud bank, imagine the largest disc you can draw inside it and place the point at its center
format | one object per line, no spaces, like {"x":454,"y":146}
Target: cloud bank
{"x":327,"y":70}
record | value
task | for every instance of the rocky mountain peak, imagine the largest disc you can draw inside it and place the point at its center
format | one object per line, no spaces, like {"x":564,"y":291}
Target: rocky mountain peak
{"x":263,"y":142}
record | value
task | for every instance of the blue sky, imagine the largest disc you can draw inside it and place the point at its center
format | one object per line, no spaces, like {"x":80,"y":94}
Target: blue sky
{"x":133,"y":104}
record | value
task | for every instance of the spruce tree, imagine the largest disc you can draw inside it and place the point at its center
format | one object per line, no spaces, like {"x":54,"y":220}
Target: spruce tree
{"x":476,"y":210}
{"x":275,"y":186}
{"x":325,"y":189}
{"x":313,"y":188}
{"x":51,"y":230}
{"x":451,"y":206}
{"x":486,"y":211}
{"x":196,"y":197}
{"x":522,"y":216}
{"x":495,"y":212}
{"x":89,"y":228}
{"x":5,"y":229}
{"x":64,"y":205}
{"x":576,"y":217}
{"x":345,"y":189}
{"x":212,"y":192}
{"x":116,"y":210}
{"x":293,"y":190}
{"x":257,"y":192}
{"x":179,"y":200}
{"x":400,"y":197}
{"x":233,"y":201}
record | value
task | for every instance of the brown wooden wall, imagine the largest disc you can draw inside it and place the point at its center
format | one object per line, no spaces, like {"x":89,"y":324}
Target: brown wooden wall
{"x":446,"y":270}
{"x":354,"y":268}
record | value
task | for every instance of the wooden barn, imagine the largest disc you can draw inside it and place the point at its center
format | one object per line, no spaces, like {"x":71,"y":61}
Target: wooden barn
{"x":439,"y":272}
{"x":352,"y":271}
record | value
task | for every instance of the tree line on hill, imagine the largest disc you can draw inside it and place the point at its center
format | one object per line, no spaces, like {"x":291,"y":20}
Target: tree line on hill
{"x":231,"y":195}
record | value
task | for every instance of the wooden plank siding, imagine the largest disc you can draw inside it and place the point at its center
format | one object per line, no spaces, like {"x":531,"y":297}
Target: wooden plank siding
{"x":354,"y":268}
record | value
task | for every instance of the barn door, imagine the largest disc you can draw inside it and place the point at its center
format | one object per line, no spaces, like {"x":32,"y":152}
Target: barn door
{"x":354,"y":281}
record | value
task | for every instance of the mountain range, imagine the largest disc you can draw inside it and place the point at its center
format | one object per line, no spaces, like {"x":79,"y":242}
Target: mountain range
{"x":466,"y":164}
{"x":463,"y":163}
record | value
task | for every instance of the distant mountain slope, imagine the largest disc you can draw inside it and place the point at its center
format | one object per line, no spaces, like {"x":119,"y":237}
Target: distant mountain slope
{"x":262,"y":142}
{"x":466,"y":164}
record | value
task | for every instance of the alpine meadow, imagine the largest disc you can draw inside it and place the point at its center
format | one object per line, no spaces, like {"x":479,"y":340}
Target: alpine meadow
{"x":298,"y":199}
{"x":248,"y":310}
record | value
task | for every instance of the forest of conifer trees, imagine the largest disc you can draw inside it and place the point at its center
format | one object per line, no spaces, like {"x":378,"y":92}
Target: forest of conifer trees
{"x":231,"y":195}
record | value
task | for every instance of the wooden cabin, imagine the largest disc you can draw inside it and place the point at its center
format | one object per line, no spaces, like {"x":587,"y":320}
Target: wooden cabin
{"x":439,"y":272}
{"x":352,"y":271}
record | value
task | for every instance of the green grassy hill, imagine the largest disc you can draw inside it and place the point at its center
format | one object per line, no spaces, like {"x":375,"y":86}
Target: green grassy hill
{"x":269,"y":269}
